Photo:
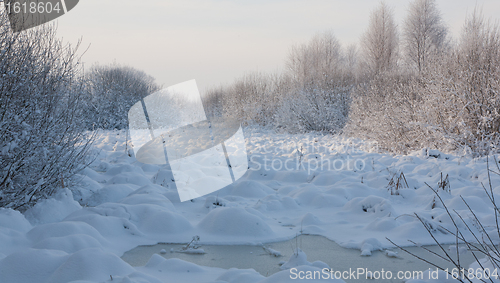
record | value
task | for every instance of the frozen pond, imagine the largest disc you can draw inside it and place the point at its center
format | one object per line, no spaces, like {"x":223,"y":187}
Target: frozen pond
{"x":315,"y":247}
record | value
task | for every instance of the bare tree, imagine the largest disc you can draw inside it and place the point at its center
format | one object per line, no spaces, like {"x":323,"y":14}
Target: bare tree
{"x":351,"y":57}
{"x":380,"y":41}
{"x":424,"y":33}
{"x":317,"y":61}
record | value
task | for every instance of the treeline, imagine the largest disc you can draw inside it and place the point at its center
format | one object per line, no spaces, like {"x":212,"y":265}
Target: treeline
{"x":48,"y":104}
{"x":406,"y":87}
{"x":314,"y":95}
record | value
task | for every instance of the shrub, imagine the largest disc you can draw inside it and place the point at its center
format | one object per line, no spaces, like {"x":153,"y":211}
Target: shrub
{"x":42,"y":144}
{"x":111,"y":91}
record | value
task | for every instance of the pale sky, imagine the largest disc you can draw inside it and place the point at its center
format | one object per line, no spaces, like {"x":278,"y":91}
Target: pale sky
{"x":216,"y":41}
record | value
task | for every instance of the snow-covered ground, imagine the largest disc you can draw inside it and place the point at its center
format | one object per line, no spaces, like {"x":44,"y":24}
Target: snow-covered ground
{"x":80,"y":236}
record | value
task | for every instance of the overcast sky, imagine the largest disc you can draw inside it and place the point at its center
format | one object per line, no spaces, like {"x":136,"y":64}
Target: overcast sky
{"x":216,"y":41}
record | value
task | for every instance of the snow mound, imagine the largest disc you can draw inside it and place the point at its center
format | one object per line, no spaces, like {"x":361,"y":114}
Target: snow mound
{"x":370,"y":245}
{"x":251,"y":189}
{"x":392,"y":254}
{"x":31,"y":265}
{"x":295,"y":176}
{"x":90,"y":264}
{"x":309,"y":219}
{"x":130,"y":178}
{"x":68,"y":244}
{"x":13,"y":219}
{"x":165,"y":222}
{"x":306,"y":195}
{"x":297,"y":259}
{"x":110,"y":193}
{"x":53,"y":209}
{"x":62,"y":229}
{"x":382,"y":224}
{"x":108,"y":225}
{"x":275,"y":203}
{"x":150,"y":189}
{"x":149,"y":194}
{"x":112,"y":170}
{"x":212,"y":202}
{"x":371,"y":204}
{"x":327,"y":201}
{"x":234,"y":221}
{"x":155,"y":260}
{"x":475,"y":203}
{"x":164,"y":178}
{"x":234,"y":275}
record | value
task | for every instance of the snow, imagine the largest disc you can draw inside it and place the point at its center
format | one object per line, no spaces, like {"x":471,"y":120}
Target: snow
{"x":297,"y":259}
{"x":80,"y":234}
{"x":240,"y":276}
{"x":234,"y":222}
{"x":54,"y":209}
{"x":92,"y":265}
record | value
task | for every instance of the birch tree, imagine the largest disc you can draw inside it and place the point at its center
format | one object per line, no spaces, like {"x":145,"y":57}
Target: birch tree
{"x":380,"y":41}
{"x":424,"y":33}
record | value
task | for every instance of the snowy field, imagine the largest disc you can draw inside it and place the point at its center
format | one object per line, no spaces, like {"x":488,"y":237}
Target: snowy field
{"x":120,"y":204}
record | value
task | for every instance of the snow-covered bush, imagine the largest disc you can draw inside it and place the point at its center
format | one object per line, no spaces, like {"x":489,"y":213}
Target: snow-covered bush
{"x":42,"y":143}
{"x":465,"y":90}
{"x":452,"y":104}
{"x":111,"y":91}
{"x":322,"y":80}
{"x":385,"y":109}
{"x":253,"y":98}
{"x":313,"y":95}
